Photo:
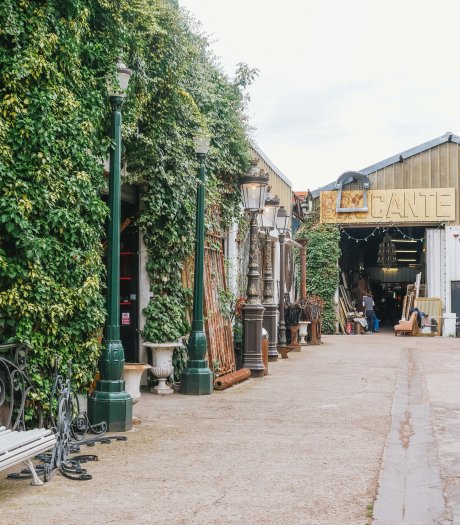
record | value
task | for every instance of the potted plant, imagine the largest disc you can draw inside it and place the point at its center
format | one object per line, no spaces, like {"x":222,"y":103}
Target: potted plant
{"x":163,"y":334}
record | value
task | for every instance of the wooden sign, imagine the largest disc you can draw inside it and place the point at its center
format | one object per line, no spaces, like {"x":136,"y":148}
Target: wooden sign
{"x":390,"y":206}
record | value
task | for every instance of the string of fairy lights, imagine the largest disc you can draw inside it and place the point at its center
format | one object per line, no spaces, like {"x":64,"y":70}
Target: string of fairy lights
{"x":385,"y":229}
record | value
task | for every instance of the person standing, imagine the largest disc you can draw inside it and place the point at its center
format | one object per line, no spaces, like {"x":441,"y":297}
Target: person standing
{"x":368,"y":303}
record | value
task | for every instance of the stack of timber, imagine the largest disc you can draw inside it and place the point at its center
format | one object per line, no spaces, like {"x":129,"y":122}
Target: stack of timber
{"x":414,"y":291}
{"x":219,"y":331}
{"x":347,"y":310}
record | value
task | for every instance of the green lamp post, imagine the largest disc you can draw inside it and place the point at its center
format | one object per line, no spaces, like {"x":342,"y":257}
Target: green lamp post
{"x":110,"y":402}
{"x":197,"y":378}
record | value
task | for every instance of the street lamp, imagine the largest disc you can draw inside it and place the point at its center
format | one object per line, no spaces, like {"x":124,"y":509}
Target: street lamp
{"x":253,"y":190}
{"x":268,"y":223}
{"x":110,"y":402}
{"x":282,"y":225}
{"x":197,"y":377}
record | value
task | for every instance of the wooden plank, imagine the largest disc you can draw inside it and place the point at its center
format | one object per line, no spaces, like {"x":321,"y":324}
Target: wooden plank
{"x":218,"y":325}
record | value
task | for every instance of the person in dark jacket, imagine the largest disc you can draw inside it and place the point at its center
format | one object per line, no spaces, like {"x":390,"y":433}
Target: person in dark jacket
{"x":368,"y":303}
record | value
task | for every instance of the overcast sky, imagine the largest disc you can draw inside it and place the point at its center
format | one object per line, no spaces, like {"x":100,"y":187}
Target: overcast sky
{"x":342,"y":84}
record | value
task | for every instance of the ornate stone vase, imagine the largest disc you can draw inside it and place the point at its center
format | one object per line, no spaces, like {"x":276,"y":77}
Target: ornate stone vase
{"x":132,"y":373}
{"x":303,"y":331}
{"x":162,"y":366}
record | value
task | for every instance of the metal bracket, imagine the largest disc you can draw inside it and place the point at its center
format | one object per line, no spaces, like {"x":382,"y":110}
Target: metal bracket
{"x":345,"y":178}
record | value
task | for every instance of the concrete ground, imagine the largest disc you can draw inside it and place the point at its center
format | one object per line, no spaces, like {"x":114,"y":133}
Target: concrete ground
{"x":308,"y":444}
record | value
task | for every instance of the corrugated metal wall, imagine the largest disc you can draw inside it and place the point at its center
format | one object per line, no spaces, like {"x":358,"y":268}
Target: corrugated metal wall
{"x":437,"y":167}
{"x":436,"y":264}
{"x":452,"y":260}
{"x":278,"y":185}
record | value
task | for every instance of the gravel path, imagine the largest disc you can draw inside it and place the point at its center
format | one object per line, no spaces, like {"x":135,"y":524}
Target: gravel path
{"x":303,"y":445}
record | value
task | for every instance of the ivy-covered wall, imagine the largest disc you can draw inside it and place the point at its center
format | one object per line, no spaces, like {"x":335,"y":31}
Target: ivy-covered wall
{"x":181,"y":91}
{"x":323,"y":253}
{"x":55,"y":58}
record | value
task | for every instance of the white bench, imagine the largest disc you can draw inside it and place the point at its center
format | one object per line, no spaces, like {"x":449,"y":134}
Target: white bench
{"x":16,"y":447}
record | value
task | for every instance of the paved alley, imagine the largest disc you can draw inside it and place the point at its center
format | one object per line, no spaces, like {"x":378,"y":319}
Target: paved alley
{"x":304,"y":445}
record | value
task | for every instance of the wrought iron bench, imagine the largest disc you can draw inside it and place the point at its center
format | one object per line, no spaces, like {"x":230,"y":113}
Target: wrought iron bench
{"x":17,"y":447}
{"x":17,"y":444}
{"x":67,"y":425}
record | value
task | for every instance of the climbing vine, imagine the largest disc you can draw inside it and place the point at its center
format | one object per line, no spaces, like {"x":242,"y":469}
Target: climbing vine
{"x":196,"y":95}
{"x":52,"y":139}
{"x":55,"y":58}
{"x":323,"y":253}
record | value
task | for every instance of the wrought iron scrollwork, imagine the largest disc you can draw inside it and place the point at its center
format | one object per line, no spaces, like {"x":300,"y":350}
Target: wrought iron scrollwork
{"x":345,"y":178}
{"x":15,"y":386}
{"x":70,"y":424}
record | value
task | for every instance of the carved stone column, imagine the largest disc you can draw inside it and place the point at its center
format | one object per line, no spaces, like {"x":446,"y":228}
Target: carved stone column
{"x":269,"y":321}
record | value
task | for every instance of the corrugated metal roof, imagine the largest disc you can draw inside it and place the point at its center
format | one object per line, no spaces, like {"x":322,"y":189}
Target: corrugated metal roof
{"x":280,"y":174}
{"x":447,"y":137}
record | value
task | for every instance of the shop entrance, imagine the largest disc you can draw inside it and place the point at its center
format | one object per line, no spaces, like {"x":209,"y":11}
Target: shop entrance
{"x":129,"y":281}
{"x":364,"y":271}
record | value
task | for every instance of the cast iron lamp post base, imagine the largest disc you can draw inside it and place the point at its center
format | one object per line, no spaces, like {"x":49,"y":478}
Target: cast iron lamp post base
{"x":197,"y":378}
{"x":110,"y":402}
{"x":252,"y":338}
{"x":270,"y":325}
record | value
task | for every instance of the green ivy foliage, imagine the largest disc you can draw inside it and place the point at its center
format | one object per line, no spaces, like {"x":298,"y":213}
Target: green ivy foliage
{"x":323,"y":253}
{"x":52,"y":138}
{"x":182,"y":91}
{"x":55,"y":58}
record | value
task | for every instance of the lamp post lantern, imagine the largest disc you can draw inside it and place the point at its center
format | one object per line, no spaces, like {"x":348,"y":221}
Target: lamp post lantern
{"x":254,"y":190}
{"x":110,"y":402}
{"x":197,"y":377}
{"x":282,"y":225}
{"x":268,"y":223}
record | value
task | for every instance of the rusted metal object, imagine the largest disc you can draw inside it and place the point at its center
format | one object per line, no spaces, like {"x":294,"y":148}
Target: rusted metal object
{"x":223,"y":382}
{"x":284,"y":350}
{"x":295,"y":343}
{"x":315,"y":332}
{"x":265,"y":351}
{"x":218,"y":325}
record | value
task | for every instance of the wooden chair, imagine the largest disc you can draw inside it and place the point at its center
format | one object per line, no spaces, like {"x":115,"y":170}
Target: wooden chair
{"x":409,"y":327}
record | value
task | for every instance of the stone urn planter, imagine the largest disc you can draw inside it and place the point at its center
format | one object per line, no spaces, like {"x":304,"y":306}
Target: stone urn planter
{"x":132,"y":373}
{"x":303,"y":331}
{"x":162,"y":366}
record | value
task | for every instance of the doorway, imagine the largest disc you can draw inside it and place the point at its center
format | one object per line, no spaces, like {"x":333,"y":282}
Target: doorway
{"x":365,"y":273}
{"x":455,"y":299}
{"x":129,"y":280}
